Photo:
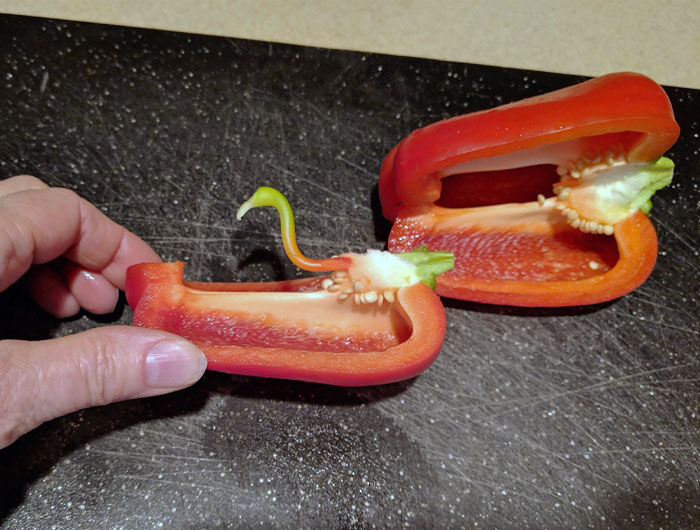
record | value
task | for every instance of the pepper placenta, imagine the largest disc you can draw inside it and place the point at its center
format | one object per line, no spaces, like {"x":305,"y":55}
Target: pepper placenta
{"x":373,"y":320}
{"x":543,"y":202}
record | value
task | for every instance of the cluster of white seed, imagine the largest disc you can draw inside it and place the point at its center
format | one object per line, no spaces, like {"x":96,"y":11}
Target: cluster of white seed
{"x":584,"y":225}
{"x":347,"y":289}
{"x":590,"y":163}
{"x":582,"y":168}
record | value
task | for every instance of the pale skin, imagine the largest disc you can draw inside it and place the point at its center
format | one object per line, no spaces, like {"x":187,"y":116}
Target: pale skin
{"x":75,"y":257}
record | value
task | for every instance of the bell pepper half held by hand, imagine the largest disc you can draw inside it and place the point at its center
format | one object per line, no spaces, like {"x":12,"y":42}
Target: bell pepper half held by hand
{"x":543,"y":202}
{"x":375,"y":319}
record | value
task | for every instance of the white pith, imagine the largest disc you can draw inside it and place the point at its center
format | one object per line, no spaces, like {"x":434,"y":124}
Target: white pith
{"x":587,"y":174}
{"x":373,"y":277}
{"x":597,"y":175}
{"x":304,"y":310}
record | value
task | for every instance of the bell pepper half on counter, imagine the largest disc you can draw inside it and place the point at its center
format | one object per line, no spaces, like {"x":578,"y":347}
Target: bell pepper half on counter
{"x":543,"y":202}
{"x":374,"y":319}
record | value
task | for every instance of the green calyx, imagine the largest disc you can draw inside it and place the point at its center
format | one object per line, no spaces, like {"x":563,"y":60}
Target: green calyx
{"x":609,"y":195}
{"x":655,"y":176}
{"x":429,"y":264}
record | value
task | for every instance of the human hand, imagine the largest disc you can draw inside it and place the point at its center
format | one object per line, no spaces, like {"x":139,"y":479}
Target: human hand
{"x":76,"y":258}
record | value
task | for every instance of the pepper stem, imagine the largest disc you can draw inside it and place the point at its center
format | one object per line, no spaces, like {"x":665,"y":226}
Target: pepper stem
{"x":265,"y":196}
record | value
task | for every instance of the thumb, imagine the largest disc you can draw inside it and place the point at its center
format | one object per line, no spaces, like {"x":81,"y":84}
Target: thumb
{"x":46,"y":379}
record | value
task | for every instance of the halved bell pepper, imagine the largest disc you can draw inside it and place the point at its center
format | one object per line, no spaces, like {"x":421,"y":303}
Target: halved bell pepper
{"x":375,"y":319}
{"x":541,"y":201}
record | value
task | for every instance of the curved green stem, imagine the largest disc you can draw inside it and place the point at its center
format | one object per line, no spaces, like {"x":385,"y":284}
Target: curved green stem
{"x":265,"y":196}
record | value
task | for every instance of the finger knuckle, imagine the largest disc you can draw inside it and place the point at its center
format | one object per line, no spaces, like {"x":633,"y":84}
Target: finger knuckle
{"x":15,"y":382}
{"x":65,"y":193}
{"x":101,"y":373}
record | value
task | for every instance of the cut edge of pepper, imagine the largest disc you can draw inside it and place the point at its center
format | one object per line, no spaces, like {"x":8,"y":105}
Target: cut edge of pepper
{"x":637,"y":246}
{"x":425,"y":315}
{"x":634,"y":237}
{"x":418,"y":307}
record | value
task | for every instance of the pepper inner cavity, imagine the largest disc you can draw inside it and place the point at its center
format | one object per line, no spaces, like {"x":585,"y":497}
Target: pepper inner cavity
{"x":489,"y":188}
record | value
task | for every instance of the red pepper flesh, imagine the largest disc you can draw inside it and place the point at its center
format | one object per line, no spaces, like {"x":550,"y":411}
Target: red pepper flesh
{"x":374,"y":320}
{"x":293,"y":329}
{"x":470,"y":185}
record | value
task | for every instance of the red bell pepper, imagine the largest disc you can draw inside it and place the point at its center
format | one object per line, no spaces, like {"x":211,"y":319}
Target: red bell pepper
{"x":374,"y":320}
{"x":541,"y":201}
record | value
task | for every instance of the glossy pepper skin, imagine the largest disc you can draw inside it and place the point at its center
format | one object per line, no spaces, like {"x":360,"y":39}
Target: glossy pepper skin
{"x":310,"y":329}
{"x":525,"y":195}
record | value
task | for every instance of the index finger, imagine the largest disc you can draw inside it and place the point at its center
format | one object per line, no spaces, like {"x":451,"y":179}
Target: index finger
{"x":39,"y":225}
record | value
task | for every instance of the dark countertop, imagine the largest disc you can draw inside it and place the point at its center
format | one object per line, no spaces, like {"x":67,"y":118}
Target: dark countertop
{"x":575,"y":418}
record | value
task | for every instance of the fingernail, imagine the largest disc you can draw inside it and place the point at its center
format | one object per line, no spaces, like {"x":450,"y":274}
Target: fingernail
{"x":172,"y":364}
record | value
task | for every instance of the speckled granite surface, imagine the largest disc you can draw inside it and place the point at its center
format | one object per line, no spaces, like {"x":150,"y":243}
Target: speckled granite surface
{"x":571,"y":418}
